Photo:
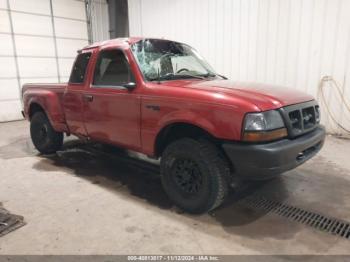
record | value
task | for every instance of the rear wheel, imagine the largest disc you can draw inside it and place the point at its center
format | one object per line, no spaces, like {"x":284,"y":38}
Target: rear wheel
{"x":194,"y":175}
{"x":45,"y":139}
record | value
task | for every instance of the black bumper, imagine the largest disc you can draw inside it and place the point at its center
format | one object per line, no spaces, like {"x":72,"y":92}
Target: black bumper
{"x":264,"y":161}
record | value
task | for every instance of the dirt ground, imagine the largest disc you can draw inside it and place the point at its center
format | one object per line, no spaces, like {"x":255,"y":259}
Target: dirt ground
{"x":93,"y":199}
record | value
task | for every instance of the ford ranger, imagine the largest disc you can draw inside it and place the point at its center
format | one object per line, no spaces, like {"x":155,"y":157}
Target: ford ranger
{"x":161,"y":98}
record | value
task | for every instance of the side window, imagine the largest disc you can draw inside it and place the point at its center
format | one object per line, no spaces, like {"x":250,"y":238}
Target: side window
{"x":112,"y":69}
{"x":79,"y":69}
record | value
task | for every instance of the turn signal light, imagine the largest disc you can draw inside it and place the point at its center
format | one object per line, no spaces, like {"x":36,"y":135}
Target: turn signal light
{"x":264,"y":136}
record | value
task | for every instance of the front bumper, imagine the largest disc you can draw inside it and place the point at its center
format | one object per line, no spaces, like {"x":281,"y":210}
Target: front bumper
{"x":264,"y":161}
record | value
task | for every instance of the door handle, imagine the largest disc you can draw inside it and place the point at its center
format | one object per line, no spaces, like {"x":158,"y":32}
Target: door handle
{"x":153,"y":107}
{"x":89,"y":98}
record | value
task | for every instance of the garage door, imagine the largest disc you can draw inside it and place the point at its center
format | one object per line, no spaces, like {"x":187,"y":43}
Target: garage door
{"x":38,"y":42}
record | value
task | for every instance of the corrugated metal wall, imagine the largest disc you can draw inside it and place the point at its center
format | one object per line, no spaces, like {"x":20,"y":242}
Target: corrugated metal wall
{"x":292,"y":43}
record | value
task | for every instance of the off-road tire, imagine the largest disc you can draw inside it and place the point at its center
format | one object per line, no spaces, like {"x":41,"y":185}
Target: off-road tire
{"x":45,"y":139}
{"x":212,"y":166}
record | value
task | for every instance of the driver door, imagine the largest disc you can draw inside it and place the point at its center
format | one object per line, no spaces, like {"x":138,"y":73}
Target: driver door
{"x":111,"y":111}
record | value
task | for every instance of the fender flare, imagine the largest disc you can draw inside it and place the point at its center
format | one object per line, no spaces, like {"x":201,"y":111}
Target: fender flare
{"x":51,"y":106}
{"x":186,"y":117}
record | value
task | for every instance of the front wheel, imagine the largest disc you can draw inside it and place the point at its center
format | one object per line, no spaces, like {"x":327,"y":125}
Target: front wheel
{"x":194,"y":175}
{"x":45,"y":139}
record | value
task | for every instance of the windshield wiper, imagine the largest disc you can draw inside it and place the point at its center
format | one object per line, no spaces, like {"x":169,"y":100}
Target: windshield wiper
{"x":223,"y":77}
{"x":208,"y":75}
{"x":172,"y":76}
{"x":190,"y":75}
{"x":163,"y":77}
{"x":213,"y":75}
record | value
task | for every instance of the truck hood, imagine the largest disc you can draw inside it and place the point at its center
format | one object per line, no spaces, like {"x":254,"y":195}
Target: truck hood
{"x":264,"y":96}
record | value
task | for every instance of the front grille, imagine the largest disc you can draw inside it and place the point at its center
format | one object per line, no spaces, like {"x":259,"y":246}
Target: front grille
{"x":301,"y":118}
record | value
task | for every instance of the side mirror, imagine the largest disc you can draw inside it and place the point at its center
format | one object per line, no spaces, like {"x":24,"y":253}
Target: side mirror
{"x":130,"y":85}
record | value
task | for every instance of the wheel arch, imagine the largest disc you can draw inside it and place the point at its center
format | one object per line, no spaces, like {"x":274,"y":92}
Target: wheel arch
{"x":35,"y":107}
{"x":177,"y":130}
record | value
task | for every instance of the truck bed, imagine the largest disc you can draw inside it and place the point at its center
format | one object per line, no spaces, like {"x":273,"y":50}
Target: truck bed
{"x":49,"y":86}
{"x":47,"y":96}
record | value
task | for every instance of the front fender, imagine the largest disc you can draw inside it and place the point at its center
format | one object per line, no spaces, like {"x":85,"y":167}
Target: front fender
{"x":189,"y":117}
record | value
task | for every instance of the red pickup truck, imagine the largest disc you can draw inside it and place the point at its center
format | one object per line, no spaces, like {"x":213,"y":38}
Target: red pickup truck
{"x":161,"y":98}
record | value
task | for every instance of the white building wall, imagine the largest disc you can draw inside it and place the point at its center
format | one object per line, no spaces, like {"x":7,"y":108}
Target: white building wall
{"x":38,"y":43}
{"x":291,"y":43}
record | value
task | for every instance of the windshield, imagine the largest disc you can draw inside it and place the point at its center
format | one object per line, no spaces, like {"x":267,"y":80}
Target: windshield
{"x":167,"y":60}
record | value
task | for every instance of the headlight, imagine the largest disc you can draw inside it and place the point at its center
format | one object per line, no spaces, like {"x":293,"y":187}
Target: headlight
{"x":264,"y":126}
{"x":268,"y":120}
{"x":318,"y":114}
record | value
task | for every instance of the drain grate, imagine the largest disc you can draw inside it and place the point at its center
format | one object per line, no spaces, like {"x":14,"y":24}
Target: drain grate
{"x":318,"y":221}
{"x":9,"y":222}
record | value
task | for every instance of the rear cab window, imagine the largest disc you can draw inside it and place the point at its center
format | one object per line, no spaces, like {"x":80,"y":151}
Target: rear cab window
{"x":79,"y":68}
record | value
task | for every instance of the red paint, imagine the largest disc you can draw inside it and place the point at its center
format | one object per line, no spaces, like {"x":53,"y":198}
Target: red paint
{"x":121,"y":117}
